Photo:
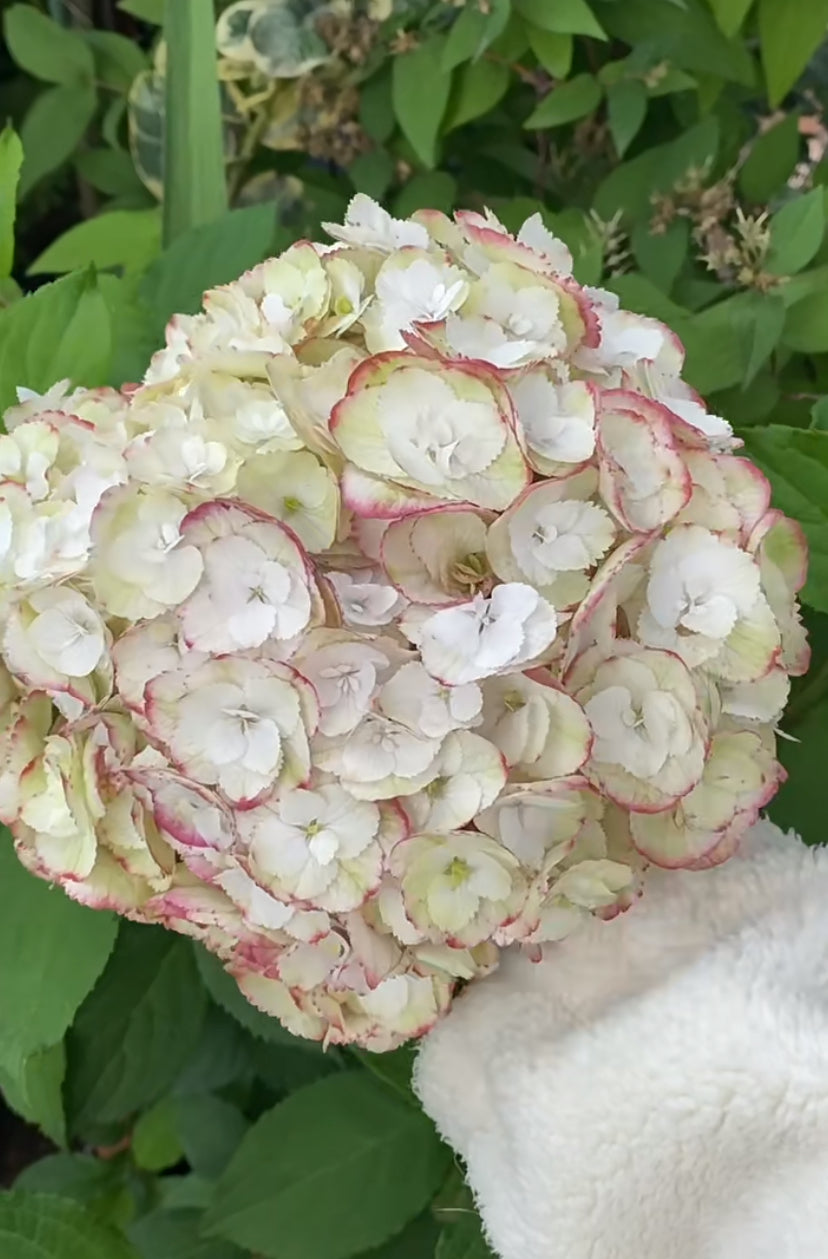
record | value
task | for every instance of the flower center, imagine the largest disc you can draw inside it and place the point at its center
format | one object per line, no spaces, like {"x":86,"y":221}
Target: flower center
{"x":457,"y":872}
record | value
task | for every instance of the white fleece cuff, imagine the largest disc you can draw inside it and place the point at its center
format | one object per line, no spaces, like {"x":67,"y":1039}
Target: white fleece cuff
{"x":657,"y":1086}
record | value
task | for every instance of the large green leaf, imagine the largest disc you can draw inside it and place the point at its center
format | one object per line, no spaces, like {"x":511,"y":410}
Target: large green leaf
{"x":566,"y":103}
{"x":796,"y":232}
{"x":62,"y":330}
{"x":52,"y":950}
{"x":46,"y":49}
{"x":195,"y":191}
{"x":32,"y":1086}
{"x":215,"y":253}
{"x":806,"y":324}
{"x":53,"y":128}
{"x":80,"y":1177}
{"x":122,"y":238}
{"x":563,"y":17}
{"x":626,"y":111}
{"x":420,"y":112}
{"x":730,"y":14}
{"x":796,"y":461}
{"x":473,"y":31}
{"x":683,"y":33}
{"x":37,"y":1226}
{"x":137,"y":1028}
{"x":771,"y":160}
{"x":209,"y":1130}
{"x":789,"y":32}
{"x":463,"y":1239}
{"x":630,"y":186}
{"x":337,"y":1168}
{"x":11,"y":158}
{"x":478,"y":87}
{"x":176,"y":1235}
{"x":117,"y":59}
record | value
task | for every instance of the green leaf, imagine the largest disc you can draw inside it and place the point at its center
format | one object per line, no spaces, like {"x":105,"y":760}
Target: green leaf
{"x":222,"y":1056}
{"x":686,"y":35}
{"x":730,"y":14}
{"x":473,"y":31}
{"x":768,"y":322}
{"x":800,"y":803}
{"x":796,"y":462}
{"x":771,"y":160}
{"x":376,"y":108}
{"x":195,"y":191}
{"x":32,"y":1086}
{"x":661,"y":255}
{"x":806,"y":323}
{"x":630,"y":186}
{"x":626,"y":111}
{"x":176,"y":1235}
{"x":52,"y":949}
{"x":151,"y":11}
{"x":337,"y":1168}
{"x":796,"y":232}
{"x":420,"y":113}
{"x":789,"y":33}
{"x":53,"y":128}
{"x":11,"y":158}
{"x":36,"y":1226}
{"x":122,"y":238}
{"x":225,"y":992}
{"x":553,"y":51}
{"x":416,"y":1241}
{"x":156,"y":1145}
{"x":477,"y":88}
{"x":117,"y":59}
{"x":77,"y":1176}
{"x":566,"y":103}
{"x":394,"y":1069}
{"x":563,"y":17}
{"x":110,"y":170}
{"x":435,"y":189}
{"x":122,"y":1056}
{"x":819,"y":415}
{"x":45,"y":49}
{"x":463,"y":1239}
{"x":207,"y":256}
{"x":209,"y":1130}
{"x":372,"y":172}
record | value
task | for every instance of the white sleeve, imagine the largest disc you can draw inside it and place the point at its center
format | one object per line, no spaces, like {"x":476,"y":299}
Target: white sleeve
{"x":657,"y":1086}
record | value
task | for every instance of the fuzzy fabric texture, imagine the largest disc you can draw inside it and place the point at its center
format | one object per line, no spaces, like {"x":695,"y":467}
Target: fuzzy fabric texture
{"x":657,"y":1086}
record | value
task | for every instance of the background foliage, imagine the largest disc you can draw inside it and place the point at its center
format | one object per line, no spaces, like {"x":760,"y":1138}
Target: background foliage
{"x":678,"y":147}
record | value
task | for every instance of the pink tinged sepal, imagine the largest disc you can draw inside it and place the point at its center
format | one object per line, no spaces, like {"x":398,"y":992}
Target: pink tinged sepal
{"x":643,"y":478}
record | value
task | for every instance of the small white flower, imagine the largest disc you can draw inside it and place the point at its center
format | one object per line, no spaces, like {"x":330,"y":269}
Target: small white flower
{"x":256,"y":583}
{"x":704,"y":601}
{"x":487,"y":636}
{"x":141,"y":566}
{"x":235,"y":723}
{"x":649,"y":733}
{"x":318,"y":846}
{"x":460,"y":886}
{"x":366,"y":223}
{"x":365,"y":602}
{"x":344,"y":674}
{"x":417,"y":700}
{"x":381,"y":759}
{"x":55,"y":630}
{"x":558,"y":420}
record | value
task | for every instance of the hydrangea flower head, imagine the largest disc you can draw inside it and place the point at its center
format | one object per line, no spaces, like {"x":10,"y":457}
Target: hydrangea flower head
{"x":409,"y":609}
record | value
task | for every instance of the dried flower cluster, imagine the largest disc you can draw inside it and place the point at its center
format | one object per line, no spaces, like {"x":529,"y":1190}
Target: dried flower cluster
{"x":408,"y":609}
